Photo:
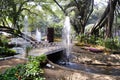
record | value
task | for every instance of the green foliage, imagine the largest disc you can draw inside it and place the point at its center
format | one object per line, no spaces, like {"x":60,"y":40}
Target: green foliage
{"x":13,"y":73}
{"x":41,"y":58}
{"x":91,"y":40}
{"x":6,"y":51}
{"x":116,"y":40}
{"x":29,"y":71}
{"x":110,"y":43}
{"x":58,"y":32}
{"x":16,"y":32}
{"x":40,"y":14}
{"x":3,"y":41}
{"x":11,"y":11}
{"x":81,"y":38}
{"x":86,"y":39}
{"x":100,"y":41}
{"x":33,"y":70}
{"x":107,"y":43}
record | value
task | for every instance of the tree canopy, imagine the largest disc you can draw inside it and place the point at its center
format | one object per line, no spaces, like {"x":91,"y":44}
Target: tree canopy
{"x":50,"y":13}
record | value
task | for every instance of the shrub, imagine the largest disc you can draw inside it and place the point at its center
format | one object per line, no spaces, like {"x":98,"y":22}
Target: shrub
{"x":86,"y":39}
{"x":81,"y":38}
{"x":6,"y":51}
{"x":110,"y":44}
{"x":30,"y":71}
{"x":33,"y":70}
{"x":91,"y":40}
{"x":100,"y":41}
{"x":13,"y":73}
{"x":57,"y":32}
{"x":3,"y":41}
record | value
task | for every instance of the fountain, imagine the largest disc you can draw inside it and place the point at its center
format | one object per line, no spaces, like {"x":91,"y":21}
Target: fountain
{"x":81,"y":62}
{"x":26,"y":25}
{"x":25,"y":30}
{"x":66,"y":36}
{"x":38,"y":35}
{"x":19,"y":41}
{"x":75,"y":64}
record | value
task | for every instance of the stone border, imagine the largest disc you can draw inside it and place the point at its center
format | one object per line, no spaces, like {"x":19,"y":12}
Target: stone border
{"x":14,"y":56}
{"x":6,"y":58}
{"x":81,"y":75}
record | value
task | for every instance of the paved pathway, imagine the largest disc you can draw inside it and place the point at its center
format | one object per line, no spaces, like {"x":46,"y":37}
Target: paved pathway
{"x":46,"y":51}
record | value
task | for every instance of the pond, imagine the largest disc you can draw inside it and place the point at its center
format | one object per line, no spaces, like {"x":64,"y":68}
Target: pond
{"x":99,"y":69}
{"x":59,"y":59}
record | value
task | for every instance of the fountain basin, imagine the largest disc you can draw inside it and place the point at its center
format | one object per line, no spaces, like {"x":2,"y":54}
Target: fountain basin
{"x":64,"y":73}
{"x":81,"y":66}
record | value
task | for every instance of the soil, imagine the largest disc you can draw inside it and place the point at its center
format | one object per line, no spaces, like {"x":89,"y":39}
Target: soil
{"x":4,"y":64}
{"x":59,"y":73}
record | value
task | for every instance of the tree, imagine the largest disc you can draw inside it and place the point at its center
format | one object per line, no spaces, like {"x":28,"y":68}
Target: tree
{"x":107,"y":18}
{"x":13,"y":12}
{"x":82,"y":9}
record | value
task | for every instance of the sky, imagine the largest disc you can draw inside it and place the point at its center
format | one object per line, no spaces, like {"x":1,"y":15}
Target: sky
{"x":100,"y":1}
{"x":97,"y":1}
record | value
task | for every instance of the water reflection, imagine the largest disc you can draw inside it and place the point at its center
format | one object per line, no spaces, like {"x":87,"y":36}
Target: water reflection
{"x":108,"y":70}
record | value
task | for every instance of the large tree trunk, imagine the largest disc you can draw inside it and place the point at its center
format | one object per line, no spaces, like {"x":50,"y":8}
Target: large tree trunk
{"x":110,"y":19}
{"x":101,"y":22}
{"x":83,"y":9}
{"x":106,"y":19}
{"x":85,"y":12}
{"x":82,"y":29}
